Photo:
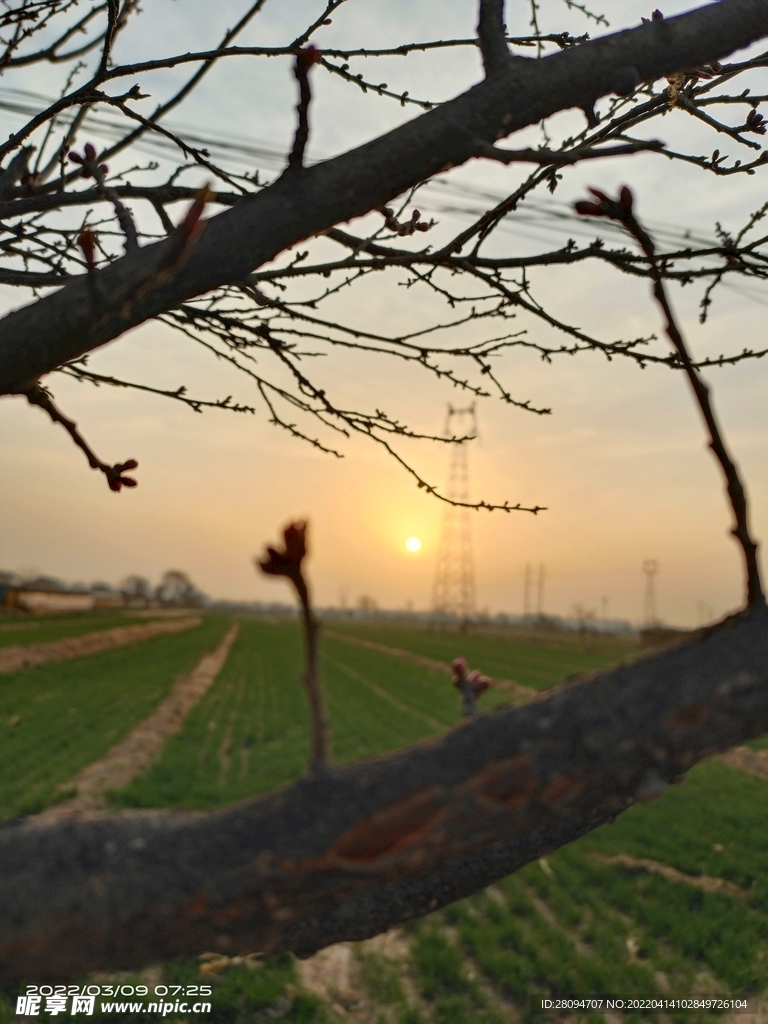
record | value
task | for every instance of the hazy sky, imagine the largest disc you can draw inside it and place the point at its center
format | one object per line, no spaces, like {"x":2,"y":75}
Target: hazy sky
{"x":621,"y":463}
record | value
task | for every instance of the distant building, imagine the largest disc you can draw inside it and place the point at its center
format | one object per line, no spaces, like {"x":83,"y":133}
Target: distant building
{"x":47,"y":601}
{"x":44,"y":594}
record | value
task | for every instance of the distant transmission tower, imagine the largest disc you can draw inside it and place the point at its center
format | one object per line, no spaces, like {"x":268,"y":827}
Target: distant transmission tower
{"x":540,"y":592}
{"x":650,"y":568}
{"x":454,"y":590}
{"x":527,"y":583}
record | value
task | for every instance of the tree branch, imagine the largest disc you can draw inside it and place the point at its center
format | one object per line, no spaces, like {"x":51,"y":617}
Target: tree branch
{"x":287,"y":562}
{"x":304,"y":61}
{"x":116,"y":479}
{"x":547,"y":157}
{"x":61,"y":327}
{"x":491,"y":35}
{"x":15,"y":171}
{"x":622,"y":210}
{"x":362,"y":848}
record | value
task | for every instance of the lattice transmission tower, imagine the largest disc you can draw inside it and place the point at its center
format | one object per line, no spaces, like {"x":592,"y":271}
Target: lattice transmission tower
{"x":650,"y":568}
{"x":454,"y":589}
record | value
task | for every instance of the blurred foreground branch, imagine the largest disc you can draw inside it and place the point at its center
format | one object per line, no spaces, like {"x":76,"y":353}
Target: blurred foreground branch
{"x":359,"y":849}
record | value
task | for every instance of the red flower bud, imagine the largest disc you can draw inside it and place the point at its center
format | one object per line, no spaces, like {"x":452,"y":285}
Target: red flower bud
{"x":88,"y":162}
{"x":87,"y":242}
{"x":115,"y":476}
{"x":288,"y":561}
{"x":307,"y":57}
{"x":460,"y":668}
{"x":478,"y":682}
{"x":587,"y":209}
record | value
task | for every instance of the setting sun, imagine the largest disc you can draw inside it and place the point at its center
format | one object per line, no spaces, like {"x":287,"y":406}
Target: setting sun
{"x":413,"y":544}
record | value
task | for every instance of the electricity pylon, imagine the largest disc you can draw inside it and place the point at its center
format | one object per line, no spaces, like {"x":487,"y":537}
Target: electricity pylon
{"x":454,"y":589}
{"x":528,"y":587}
{"x":650,"y":568}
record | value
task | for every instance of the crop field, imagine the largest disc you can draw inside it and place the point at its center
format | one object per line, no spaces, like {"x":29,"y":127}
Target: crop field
{"x":57,"y":718}
{"x":47,"y":628}
{"x":251,"y":730}
{"x":670,"y":899}
{"x":536,"y":659}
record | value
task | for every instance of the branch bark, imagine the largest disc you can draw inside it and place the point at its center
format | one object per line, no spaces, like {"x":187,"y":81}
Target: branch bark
{"x":64,"y":325}
{"x":354,"y":851}
{"x":492,"y":36}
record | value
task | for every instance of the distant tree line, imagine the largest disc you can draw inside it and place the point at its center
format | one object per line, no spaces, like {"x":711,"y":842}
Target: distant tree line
{"x":175,"y":589}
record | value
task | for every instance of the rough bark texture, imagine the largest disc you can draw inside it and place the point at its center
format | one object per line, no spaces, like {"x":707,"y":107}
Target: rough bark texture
{"x":89,"y":312}
{"x":351,"y":852}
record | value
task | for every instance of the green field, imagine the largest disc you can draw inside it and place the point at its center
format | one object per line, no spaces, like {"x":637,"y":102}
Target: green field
{"x":535,"y":659}
{"x":580,"y":926}
{"x":57,"y":718}
{"x":572,"y":924}
{"x":46,"y":628}
{"x":251,"y":730}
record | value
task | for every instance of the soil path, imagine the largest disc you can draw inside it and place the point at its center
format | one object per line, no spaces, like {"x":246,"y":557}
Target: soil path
{"x":134,"y":754}
{"x":519,"y":692}
{"x":753,"y":761}
{"x":14,"y":658}
{"x":655,"y":867}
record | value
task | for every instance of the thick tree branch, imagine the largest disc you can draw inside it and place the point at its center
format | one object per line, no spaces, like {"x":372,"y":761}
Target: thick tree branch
{"x":359,"y":849}
{"x":61,"y":327}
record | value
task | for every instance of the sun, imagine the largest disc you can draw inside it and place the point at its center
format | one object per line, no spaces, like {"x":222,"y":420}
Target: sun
{"x":413,"y":544}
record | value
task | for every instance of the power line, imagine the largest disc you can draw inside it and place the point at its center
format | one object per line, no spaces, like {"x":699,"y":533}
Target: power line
{"x":541,"y":217}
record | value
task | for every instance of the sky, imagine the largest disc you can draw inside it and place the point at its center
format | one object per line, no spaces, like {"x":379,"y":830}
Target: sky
{"x":620,"y":465}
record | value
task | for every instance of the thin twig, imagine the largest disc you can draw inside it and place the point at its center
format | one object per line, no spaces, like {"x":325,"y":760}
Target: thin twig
{"x":37,"y":395}
{"x":566,"y":157}
{"x":304,"y":60}
{"x":622,"y":211}
{"x":288,"y":563}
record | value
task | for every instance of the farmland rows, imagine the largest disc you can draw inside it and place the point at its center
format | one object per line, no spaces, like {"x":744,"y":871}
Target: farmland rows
{"x":49,"y":628}
{"x":14,"y":658}
{"x":537,"y":661}
{"x":593,"y":918}
{"x":251,"y":733}
{"x":57,"y":718}
{"x":133,"y":754}
{"x":569,"y":925}
{"x":634,"y":907}
{"x":581,"y":922}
